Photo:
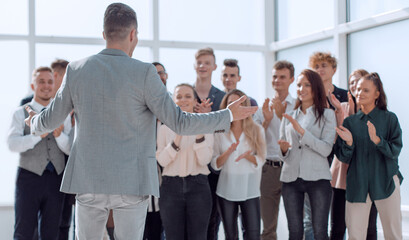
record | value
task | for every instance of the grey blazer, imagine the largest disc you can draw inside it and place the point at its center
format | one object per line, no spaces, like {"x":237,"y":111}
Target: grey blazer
{"x":116,"y":100}
{"x":307,"y":157}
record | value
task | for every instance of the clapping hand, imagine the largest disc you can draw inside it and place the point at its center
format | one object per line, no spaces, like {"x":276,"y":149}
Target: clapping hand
{"x":372,"y":133}
{"x":233,"y":147}
{"x":31,"y":114}
{"x":204,"y":107}
{"x":335,"y":102}
{"x":268,"y":112}
{"x":297,"y":127}
{"x":351,"y":105}
{"x":279,"y":107}
{"x":284,"y":146}
{"x":243,"y":155}
{"x":345,"y":134}
{"x":57,"y":131}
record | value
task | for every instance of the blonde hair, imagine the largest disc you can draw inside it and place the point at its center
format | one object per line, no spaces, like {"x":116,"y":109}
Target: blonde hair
{"x":251,"y":130}
{"x":318,"y":57}
{"x":205,"y":51}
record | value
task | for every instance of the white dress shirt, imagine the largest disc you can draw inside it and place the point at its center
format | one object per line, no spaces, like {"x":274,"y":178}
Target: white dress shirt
{"x":18,"y":142}
{"x":273,"y":129}
{"x":238,"y":181}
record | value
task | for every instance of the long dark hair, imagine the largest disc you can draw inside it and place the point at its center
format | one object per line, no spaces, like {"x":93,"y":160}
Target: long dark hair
{"x":318,"y":92}
{"x":381,"y":102}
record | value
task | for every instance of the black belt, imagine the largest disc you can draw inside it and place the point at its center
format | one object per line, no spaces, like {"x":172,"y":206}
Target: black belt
{"x":275,"y":164}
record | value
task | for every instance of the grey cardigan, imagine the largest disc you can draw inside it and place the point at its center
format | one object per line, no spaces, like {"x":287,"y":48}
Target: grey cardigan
{"x":307,"y":157}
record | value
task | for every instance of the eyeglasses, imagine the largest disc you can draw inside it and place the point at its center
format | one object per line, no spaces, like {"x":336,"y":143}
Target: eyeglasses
{"x":161,"y":73}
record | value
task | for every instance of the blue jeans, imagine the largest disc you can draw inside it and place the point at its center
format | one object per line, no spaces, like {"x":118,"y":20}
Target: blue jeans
{"x":319,"y":193}
{"x":185,"y":207}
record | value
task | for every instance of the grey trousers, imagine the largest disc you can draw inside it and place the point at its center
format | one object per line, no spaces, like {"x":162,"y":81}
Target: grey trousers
{"x":92,"y":210}
{"x":270,"y":189}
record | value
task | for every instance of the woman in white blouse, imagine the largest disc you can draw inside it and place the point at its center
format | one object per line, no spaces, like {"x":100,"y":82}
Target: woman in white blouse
{"x":185,"y":200}
{"x":306,"y":139}
{"x":239,"y":154}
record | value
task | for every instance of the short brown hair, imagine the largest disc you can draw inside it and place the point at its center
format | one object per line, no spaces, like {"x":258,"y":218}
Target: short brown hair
{"x":41,"y":69}
{"x":318,"y":57}
{"x":284,"y":64}
{"x":59,"y":65}
{"x":205,"y":51}
{"x":230,"y":62}
{"x":118,"y":20}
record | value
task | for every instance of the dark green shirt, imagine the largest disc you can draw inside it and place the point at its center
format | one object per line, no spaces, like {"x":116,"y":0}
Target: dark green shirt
{"x":371,"y":167}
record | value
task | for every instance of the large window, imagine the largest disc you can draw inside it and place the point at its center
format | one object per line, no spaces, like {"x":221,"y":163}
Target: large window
{"x":299,"y":17}
{"x":14,"y":84}
{"x":227,"y":21}
{"x":361,"y":9}
{"x":19,"y":23}
{"x":77,"y":18}
{"x":390,"y":61}
{"x":300,"y":57}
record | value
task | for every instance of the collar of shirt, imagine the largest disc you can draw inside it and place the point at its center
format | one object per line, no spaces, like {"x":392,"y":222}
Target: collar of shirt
{"x":309,"y":110}
{"x":37,"y":107}
{"x":372,"y":115}
{"x":114,"y":52}
{"x":233,"y":138}
{"x":290,"y":102}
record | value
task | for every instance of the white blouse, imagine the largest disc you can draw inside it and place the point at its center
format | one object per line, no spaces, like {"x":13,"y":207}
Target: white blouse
{"x":238,"y":181}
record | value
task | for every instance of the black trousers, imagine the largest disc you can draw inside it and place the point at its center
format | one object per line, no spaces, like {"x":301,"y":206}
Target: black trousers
{"x":38,"y":203}
{"x":66,"y":216}
{"x":214,"y":222}
{"x":185,"y":206}
{"x":250,"y":212}
{"x":153,"y":226}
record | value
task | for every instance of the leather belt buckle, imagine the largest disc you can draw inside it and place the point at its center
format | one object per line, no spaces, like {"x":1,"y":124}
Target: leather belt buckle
{"x":274,"y":164}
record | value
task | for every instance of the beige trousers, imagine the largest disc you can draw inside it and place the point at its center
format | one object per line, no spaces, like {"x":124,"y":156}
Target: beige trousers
{"x":357,"y":215}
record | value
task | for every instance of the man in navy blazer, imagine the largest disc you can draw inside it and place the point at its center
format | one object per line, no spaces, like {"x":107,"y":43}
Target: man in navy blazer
{"x":116,"y":100}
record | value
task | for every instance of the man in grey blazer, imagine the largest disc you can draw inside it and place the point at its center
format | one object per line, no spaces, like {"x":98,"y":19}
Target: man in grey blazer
{"x":116,"y":100}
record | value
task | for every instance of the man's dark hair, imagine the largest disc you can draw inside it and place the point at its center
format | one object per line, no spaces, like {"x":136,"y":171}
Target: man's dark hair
{"x":284,"y":64}
{"x":118,"y":20}
{"x":232,"y":63}
{"x":59,"y":65}
{"x":160,"y":64}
